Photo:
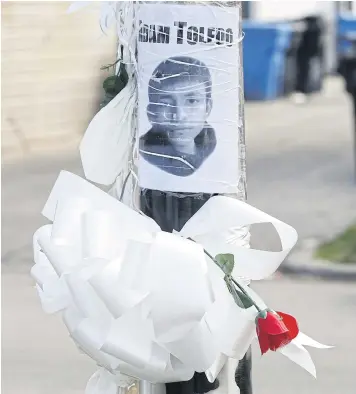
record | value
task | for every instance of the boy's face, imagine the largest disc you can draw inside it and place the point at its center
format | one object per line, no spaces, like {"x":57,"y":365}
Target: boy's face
{"x":180,"y":109}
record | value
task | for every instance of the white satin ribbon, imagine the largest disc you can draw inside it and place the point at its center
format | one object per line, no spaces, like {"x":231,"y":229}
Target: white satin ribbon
{"x":297,"y":353}
{"x":142,"y":302}
{"x":212,"y":225}
{"x":106,"y":145}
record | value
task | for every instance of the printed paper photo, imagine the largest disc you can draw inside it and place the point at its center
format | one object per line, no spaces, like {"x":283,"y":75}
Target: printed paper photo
{"x":188,"y":100}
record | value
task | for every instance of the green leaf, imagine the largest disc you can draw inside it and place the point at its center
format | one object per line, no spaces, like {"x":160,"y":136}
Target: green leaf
{"x":115,"y":83}
{"x":226,"y":262}
{"x":240,"y":299}
{"x":246,"y":301}
{"x":233,"y":292}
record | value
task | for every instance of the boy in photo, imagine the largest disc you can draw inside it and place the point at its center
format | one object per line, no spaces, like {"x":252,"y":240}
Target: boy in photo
{"x":180,"y":101}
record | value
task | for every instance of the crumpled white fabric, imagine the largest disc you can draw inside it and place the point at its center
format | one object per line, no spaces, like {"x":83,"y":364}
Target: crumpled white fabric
{"x":145,"y":303}
{"x":106,"y":149}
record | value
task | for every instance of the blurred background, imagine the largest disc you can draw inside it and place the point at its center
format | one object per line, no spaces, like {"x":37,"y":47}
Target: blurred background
{"x":300,"y":87}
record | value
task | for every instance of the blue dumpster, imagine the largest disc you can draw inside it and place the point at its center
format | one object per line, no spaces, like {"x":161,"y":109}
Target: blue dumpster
{"x":346,"y":25}
{"x":264,"y":56}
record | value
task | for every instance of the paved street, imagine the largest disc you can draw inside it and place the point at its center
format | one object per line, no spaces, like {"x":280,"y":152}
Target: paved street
{"x":300,"y":169}
{"x":39,"y":358}
{"x":300,"y":161}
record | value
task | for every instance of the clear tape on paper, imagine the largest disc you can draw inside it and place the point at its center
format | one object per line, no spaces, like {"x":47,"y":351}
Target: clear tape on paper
{"x":148,"y":126}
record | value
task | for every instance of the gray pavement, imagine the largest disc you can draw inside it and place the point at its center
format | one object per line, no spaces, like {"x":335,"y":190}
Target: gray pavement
{"x":300,"y":169}
{"x":39,"y":358}
{"x":301,"y":163}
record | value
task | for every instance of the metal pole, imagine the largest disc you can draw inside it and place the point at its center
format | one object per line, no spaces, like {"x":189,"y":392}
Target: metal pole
{"x":145,"y":387}
{"x":353,"y":97}
{"x":172,"y":210}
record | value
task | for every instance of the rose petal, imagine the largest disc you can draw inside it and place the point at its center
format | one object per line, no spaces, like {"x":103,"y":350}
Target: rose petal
{"x":278,"y":341}
{"x":263,"y":340}
{"x":291,"y":324}
{"x":272,"y":324}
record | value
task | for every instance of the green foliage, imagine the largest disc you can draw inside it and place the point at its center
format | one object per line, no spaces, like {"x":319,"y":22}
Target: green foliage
{"x":226,"y":262}
{"x":114,"y":84}
{"x":342,"y":249}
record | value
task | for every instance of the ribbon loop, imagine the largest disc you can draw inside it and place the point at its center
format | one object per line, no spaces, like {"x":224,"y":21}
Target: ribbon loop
{"x":142,"y":302}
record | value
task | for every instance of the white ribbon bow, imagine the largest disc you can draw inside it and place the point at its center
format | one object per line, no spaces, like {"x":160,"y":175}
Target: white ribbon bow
{"x":145,"y":303}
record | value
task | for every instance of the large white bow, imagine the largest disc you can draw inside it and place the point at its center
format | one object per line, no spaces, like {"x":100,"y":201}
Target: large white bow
{"x":144,"y":303}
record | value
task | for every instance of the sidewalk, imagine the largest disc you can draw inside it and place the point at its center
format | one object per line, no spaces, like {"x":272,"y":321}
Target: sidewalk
{"x":300,"y":162}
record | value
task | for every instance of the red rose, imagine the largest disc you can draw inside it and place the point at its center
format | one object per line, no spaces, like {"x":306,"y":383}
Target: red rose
{"x":275,"y":329}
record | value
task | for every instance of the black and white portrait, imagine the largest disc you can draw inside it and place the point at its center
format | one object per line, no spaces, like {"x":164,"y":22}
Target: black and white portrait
{"x":188,"y":99}
{"x":180,"y":102}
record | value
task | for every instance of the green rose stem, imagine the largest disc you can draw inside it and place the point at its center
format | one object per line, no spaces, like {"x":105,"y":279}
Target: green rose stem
{"x":246,"y":294}
{"x":230,"y":281}
{"x":124,"y":186}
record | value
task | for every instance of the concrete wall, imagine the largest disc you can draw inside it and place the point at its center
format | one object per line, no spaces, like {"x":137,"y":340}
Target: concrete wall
{"x":51,"y":77}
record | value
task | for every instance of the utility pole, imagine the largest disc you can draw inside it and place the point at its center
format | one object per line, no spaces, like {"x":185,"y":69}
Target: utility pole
{"x":167,"y":203}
